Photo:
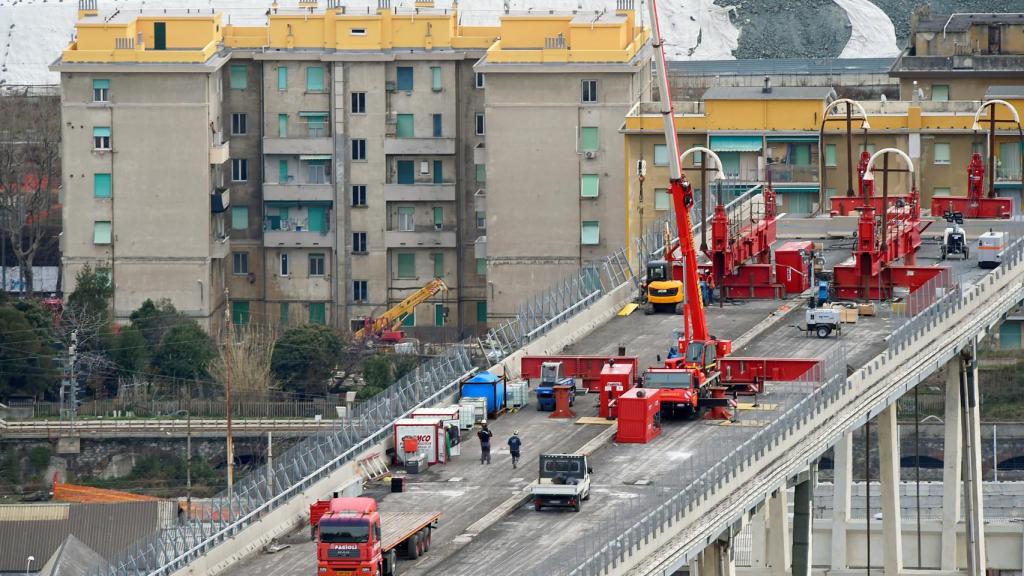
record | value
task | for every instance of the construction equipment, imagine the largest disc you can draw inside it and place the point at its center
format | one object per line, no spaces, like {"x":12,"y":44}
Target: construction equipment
{"x":385,"y":327}
{"x":588,"y":370}
{"x":954,"y":239}
{"x":975,"y":204}
{"x":551,"y":379}
{"x":845,"y":205}
{"x":564,"y":481}
{"x":823,"y":322}
{"x":990,"y":249}
{"x":662,"y":292}
{"x":353,"y":537}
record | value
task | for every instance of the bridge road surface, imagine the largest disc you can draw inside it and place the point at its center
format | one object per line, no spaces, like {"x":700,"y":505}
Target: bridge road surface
{"x":465,"y":491}
{"x":629,"y":479}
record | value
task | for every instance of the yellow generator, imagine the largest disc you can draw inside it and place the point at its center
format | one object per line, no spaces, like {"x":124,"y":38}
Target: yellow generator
{"x":662,"y":292}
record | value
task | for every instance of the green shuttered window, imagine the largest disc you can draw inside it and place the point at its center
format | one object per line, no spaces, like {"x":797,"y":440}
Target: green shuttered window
{"x":589,"y":185}
{"x":101,"y":185}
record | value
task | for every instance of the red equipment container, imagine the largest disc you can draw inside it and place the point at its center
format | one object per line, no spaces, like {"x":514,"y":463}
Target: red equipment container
{"x":616,"y":379}
{"x":639,"y":416}
{"x":790,"y":268}
{"x":586,"y":368}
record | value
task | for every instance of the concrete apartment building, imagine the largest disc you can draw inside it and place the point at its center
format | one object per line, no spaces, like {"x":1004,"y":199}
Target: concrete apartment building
{"x":554,"y":154}
{"x":343,"y":160}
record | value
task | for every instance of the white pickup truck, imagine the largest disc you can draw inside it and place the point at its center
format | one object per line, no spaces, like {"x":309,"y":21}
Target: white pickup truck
{"x":564,"y":481}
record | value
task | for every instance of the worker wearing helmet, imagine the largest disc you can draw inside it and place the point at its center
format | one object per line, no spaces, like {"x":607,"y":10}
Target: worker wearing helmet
{"x":484,"y":434}
{"x":514,"y":444}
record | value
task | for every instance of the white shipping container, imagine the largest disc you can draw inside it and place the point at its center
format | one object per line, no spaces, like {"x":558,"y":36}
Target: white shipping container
{"x":518,"y":393}
{"x":429,"y":435}
{"x":479,"y":408}
{"x":467,"y":416}
{"x":447,"y":416}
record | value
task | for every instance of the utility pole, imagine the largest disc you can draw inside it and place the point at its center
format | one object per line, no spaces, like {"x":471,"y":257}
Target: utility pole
{"x":270,"y":461}
{"x":641,"y":172}
{"x":188,"y":455}
{"x":228,"y":361}
{"x":69,"y":384}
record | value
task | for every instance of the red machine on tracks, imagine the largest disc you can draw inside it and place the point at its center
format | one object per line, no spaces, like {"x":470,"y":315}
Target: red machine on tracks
{"x":884,"y":238}
{"x":975,"y":204}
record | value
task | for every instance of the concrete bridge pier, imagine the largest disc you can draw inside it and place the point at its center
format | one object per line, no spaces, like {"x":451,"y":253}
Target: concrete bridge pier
{"x":889,"y":472}
{"x":842,"y":473}
{"x":974,"y":513}
{"x":716,"y":560}
{"x":777,"y":540}
{"x":951,"y":466}
{"x":803,"y":506}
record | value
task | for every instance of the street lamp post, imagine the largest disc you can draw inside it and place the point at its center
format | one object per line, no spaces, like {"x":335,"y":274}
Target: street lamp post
{"x":28,"y":564}
{"x":848,"y":119}
{"x":992,"y":121}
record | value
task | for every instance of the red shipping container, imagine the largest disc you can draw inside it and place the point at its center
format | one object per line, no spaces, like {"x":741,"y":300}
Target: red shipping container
{"x":639,"y":416}
{"x":615,"y":379}
{"x":790,"y":268}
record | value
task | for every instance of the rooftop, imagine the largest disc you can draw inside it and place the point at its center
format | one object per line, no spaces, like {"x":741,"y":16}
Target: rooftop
{"x":790,"y":66}
{"x":776,"y":93}
{"x":1005,"y":93}
{"x":961,"y":22}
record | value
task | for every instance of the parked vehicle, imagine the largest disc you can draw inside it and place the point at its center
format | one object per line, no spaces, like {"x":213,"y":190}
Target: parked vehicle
{"x":564,"y":481}
{"x":990,"y":249}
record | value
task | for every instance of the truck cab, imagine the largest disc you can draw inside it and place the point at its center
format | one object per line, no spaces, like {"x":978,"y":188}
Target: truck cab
{"x":564,"y":481}
{"x":551,"y":376}
{"x":663,"y":292}
{"x":348,"y":536}
{"x":679,"y":389}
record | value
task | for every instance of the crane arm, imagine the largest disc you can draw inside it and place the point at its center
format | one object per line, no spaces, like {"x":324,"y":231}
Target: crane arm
{"x":679,"y":188}
{"x":395,"y":314}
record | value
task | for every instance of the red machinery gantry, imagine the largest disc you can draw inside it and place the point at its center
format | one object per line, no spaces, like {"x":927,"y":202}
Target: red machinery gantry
{"x":975,"y":204}
{"x":881,"y":242}
{"x":845,"y":205}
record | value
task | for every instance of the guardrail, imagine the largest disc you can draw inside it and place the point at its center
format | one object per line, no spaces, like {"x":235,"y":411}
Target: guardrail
{"x":951,"y":318}
{"x":114,"y":428}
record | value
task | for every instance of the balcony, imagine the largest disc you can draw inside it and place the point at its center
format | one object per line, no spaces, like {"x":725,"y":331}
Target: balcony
{"x":220,"y":149}
{"x":298,"y":192}
{"x":421,"y":237}
{"x":220,"y":247}
{"x":444,"y":192}
{"x":480,"y":154}
{"x":425,"y":146}
{"x":480,"y":247}
{"x":310,"y":145}
{"x":299,"y":238}
{"x":792,"y":173}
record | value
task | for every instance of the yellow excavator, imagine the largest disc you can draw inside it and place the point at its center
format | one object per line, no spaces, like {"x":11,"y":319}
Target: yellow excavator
{"x":385,"y":327}
{"x":663,"y":285}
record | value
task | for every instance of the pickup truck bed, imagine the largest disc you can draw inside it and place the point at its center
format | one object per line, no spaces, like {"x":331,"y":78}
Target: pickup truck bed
{"x":397,"y":527}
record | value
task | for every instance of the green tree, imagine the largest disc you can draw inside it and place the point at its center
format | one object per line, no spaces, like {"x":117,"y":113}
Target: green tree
{"x":130,"y":351}
{"x":185,"y":352}
{"x":154,"y":319}
{"x":304,"y":358}
{"x":92,"y":293}
{"x":378,"y":374}
{"x":26,"y":360}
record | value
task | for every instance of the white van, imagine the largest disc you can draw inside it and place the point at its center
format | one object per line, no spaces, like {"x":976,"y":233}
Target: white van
{"x":990,"y":249}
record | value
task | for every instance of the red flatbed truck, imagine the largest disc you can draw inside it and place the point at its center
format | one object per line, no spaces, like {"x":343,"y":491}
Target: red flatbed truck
{"x":353,"y":538}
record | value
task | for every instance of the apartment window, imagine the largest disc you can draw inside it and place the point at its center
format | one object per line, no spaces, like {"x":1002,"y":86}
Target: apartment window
{"x":660,"y":155}
{"x":940,"y":191}
{"x":437,"y":123}
{"x":439,"y":314}
{"x":481,"y":311}
{"x":481,"y":266}
{"x":481,"y":173}
{"x":698,"y":157}
{"x":317,"y":313}
{"x":238,"y":124}
{"x":404,"y":78}
{"x":316,"y":124}
{"x":101,"y":185}
{"x":435,"y":78}
{"x":239,"y":77}
{"x":438,"y":217}
{"x":480,"y":124}
{"x":406,"y":265}
{"x":240,"y":312}
{"x":940,"y":92}
{"x":438,"y":265}
{"x":101,"y":232}
{"x":941,"y":153}
{"x":406,"y":171}
{"x":282,"y":78}
{"x":830,"y":192}
{"x":589,"y":91}
{"x":101,"y":138}
{"x":978,"y":148}
{"x":591,"y":232}
{"x":359,"y":195}
{"x":282,"y":125}
{"x":589,"y":185}
{"x":316,"y":171}
{"x":101,"y":90}
{"x":588,"y":138}
{"x":317,"y":264}
{"x":315,"y":79}
{"x":438,"y":172}
{"x":282,"y":172}
{"x":869,"y":148}
{"x":479,"y":80}
{"x":359,"y":290}
{"x":406,"y":218}
{"x":284,"y":313}
{"x":830,"y":155}
{"x":359,"y":243}
{"x":285,"y":267}
{"x":481,"y":219}
{"x":358,"y":149}
{"x":239,"y":217}
{"x":358,"y":103}
{"x":406,"y":126}
{"x":409,"y":319}
{"x":239,"y":263}
{"x":662,"y":199}
{"x":239,"y":169}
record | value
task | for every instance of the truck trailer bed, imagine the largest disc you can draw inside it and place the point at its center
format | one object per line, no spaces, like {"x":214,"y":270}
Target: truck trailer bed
{"x":396,"y":527}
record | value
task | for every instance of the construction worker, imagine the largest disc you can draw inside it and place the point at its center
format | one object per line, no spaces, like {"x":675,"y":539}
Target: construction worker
{"x":484,"y":434}
{"x":514,"y":443}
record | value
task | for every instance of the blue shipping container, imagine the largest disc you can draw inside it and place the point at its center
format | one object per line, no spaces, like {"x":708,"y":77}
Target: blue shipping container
{"x":486,"y":385}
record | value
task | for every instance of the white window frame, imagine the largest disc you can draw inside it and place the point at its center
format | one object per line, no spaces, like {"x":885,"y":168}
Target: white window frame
{"x":358,"y":98}
{"x":239,"y":120}
{"x":479,"y":81}
{"x":322,"y":259}
{"x":359,"y":145}
{"x":239,"y":169}
{"x":360,"y":243}
{"x":284,"y":266}
{"x":592,"y":84}
{"x":480,"y":124}
{"x":239,"y":257}
{"x":406,"y":219}
{"x":360,"y":196}
{"x":360,"y":288}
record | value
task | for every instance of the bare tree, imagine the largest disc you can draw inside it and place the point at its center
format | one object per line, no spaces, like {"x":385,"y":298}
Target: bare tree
{"x":29,"y":174}
{"x":251,"y":376}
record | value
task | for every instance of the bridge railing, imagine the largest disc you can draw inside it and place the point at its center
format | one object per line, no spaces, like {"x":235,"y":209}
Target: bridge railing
{"x":609,"y":543}
{"x":325,"y":452}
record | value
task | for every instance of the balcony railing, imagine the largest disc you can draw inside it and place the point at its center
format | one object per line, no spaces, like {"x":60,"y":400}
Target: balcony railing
{"x":291,"y":225}
{"x":1010,"y":174}
{"x":792,"y":173}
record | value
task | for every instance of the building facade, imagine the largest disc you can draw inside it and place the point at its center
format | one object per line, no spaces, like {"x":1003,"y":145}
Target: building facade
{"x":344,"y":159}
